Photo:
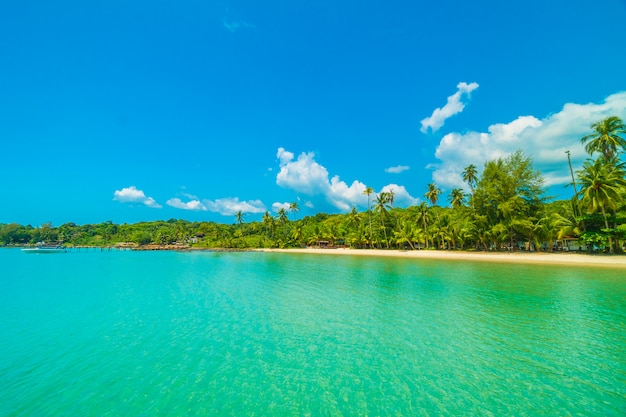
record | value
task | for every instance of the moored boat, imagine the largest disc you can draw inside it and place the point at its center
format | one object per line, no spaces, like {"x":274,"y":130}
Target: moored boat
{"x":43,"y":247}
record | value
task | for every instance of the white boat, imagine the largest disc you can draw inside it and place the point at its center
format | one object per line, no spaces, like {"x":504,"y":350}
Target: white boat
{"x":45,"y":248}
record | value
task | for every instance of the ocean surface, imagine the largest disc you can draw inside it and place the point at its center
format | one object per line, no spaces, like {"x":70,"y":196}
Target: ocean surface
{"x":125,"y":333}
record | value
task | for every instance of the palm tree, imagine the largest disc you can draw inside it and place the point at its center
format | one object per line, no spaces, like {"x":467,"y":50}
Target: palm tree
{"x":354,"y":217}
{"x":606,"y":138}
{"x":470,"y":176}
{"x":382,"y":207}
{"x":268,"y":221}
{"x":433,"y":193}
{"x":424,"y":216}
{"x":293,"y":208}
{"x":283,"y":219}
{"x":239,"y":216}
{"x":457,"y":198}
{"x":601,"y":184}
{"x":407,"y":233}
{"x":369,"y":191}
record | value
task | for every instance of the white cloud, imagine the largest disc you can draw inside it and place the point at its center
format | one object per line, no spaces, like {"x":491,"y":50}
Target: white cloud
{"x":230,"y":206}
{"x":194,"y":205}
{"x":452,"y":107}
{"x":305,"y":175}
{"x":544,"y":140}
{"x":401,"y":196}
{"x":277,"y":206}
{"x":133,"y":195}
{"x":397,"y":169}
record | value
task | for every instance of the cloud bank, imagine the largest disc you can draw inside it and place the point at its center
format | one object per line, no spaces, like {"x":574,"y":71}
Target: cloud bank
{"x":544,"y":140}
{"x":133,"y":195}
{"x":454,"y":106}
{"x":305,"y":175}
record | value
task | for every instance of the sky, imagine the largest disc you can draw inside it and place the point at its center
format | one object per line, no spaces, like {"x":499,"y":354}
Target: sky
{"x":131,"y":111}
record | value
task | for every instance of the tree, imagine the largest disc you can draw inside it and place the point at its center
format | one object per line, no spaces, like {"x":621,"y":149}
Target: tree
{"x":294,"y":208}
{"x":283,"y":219}
{"x":606,"y":138}
{"x":423,"y":215}
{"x":239,"y":217}
{"x":369,"y":191}
{"x":509,"y":192}
{"x":268,"y":221}
{"x":470,"y":176}
{"x":601,"y":188}
{"x":433,"y":193}
{"x":382,"y":206}
{"x":457,"y":198}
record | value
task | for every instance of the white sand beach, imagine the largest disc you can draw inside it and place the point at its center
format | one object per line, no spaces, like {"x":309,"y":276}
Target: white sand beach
{"x":558,"y":258}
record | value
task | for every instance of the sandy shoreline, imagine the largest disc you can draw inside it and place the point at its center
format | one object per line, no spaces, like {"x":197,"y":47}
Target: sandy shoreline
{"x":561,"y":258}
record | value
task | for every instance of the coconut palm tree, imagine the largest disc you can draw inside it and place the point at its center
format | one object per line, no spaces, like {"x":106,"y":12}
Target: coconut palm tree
{"x":407,"y":233}
{"x":294,"y":208}
{"x":424,"y":215}
{"x":382,"y":208}
{"x":239,"y":217}
{"x":606,"y":138}
{"x":457,"y":198}
{"x":470,"y":176}
{"x":283,"y":219}
{"x":369,"y":191}
{"x":433,"y":193}
{"x":354,"y":218}
{"x":268,"y":221}
{"x":601,"y":184}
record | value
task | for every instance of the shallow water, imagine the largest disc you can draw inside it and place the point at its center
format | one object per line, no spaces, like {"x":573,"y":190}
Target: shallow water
{"x":163,"y":333}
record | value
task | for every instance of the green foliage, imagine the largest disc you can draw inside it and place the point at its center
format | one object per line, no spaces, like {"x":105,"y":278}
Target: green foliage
{"x":510,"y":195}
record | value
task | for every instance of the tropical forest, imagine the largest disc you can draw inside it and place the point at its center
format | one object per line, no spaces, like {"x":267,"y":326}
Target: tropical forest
{"x":505,"y":208}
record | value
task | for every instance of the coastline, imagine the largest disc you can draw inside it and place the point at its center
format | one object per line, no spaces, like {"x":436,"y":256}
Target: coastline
{"x":560,"y":258}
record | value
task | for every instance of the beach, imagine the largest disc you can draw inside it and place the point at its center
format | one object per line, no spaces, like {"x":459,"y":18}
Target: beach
{"x":549,"y":258}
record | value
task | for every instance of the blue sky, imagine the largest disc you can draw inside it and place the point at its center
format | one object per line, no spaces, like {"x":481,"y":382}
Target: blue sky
{"x":144,"y":110}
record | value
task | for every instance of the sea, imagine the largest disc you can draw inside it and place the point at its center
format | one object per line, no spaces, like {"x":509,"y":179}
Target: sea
{"x":127,"y":333}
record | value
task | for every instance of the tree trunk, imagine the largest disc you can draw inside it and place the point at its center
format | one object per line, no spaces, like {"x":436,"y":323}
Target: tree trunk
{"x":606,"y":224}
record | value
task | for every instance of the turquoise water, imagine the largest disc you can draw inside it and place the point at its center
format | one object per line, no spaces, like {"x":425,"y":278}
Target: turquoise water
{"x":243,"y":334}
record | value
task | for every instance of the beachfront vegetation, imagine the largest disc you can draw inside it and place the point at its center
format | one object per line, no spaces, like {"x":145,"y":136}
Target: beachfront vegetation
{"x":506,"y":208}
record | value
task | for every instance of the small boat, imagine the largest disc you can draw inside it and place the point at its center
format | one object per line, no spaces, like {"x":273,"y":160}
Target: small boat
{"x":42,"y":247}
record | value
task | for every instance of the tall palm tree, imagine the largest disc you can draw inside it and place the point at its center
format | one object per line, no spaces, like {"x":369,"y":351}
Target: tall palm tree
{"x":433,"y":193}
{"x":268,"y":221}
{"x":382,"y":208}
{"x":470,"y":176}
{"x":369,"y":191}
{"x":601,"y":184}
{"x":294,"y":208}
{"x":606,"y":138}
{"x":283,"y":219}
{"x":239,"y":217}
{"x":456,"y":198}
{"x":424,"y":216}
